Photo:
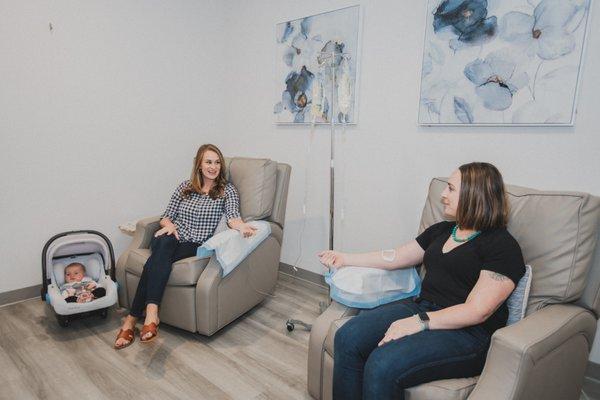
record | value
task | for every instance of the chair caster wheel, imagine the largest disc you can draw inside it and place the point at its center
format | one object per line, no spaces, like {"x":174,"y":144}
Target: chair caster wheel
{"x":290,"y":326}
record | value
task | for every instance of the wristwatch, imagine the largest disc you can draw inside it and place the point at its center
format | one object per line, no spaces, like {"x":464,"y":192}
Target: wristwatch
{"x":424,"y":320}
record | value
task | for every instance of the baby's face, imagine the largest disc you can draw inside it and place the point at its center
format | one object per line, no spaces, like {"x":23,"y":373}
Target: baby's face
{"x":74,"y":274}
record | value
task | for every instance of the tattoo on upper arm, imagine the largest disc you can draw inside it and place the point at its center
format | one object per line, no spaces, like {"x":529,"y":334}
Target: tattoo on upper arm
{"x":496,"y":276}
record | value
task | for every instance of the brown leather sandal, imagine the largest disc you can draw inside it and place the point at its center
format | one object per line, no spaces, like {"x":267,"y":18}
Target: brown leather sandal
{"x":151,"y":328}
{"x":127,"y":334}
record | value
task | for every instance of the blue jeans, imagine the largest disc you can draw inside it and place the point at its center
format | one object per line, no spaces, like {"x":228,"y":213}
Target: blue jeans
{"x":166,"y":249}
{"x":364,"y":371}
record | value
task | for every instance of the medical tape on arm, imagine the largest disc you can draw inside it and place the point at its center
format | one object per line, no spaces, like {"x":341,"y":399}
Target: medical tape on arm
{"x":388,"y":255}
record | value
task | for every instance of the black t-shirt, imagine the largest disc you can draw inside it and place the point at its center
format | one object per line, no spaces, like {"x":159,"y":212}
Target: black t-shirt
{"x":451,"y":276}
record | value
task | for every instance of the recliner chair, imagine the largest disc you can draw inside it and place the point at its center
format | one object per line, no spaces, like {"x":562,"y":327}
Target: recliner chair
{"x":543,"y":356}
{"x":197,"y":298}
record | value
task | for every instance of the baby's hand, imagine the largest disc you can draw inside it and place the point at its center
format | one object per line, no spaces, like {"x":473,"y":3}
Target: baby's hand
{"x":90,"y":286}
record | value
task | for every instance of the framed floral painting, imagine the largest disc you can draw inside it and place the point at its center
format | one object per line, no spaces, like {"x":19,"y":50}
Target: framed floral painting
{"x":317,"y":68}
{"x":502,"y":62}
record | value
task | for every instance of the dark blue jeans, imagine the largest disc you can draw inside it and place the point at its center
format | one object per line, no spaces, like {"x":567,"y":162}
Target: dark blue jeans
{"x":166,"y":249}
{"x":364,"y":371}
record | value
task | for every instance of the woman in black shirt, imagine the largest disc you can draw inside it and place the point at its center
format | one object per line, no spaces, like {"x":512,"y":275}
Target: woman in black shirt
{"x":472,"y":266}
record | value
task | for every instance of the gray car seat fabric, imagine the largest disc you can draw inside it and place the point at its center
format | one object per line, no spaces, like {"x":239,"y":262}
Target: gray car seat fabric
{"x":93,"y":253}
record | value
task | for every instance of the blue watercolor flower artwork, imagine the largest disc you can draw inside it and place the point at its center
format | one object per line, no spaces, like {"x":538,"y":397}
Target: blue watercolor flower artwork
{"x":502,"y":62}
{"x":304,"y":74}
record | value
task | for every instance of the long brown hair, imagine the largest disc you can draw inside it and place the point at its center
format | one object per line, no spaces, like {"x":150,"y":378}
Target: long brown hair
{"x":482,"y":202}
{"x":197,"y":179}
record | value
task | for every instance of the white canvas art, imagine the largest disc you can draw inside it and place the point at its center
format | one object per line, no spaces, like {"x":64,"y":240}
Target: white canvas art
{"x":502,"y":62}
{"x":307,"y":86}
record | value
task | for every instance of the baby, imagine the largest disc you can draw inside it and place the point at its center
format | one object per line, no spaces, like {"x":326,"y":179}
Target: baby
{"x":78,"y":287}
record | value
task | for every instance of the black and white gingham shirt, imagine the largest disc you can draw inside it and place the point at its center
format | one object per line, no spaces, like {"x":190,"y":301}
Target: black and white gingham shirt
{"x":197,"y":217}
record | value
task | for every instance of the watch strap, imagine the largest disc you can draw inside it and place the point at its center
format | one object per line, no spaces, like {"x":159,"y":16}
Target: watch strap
{"x":423,"y":316}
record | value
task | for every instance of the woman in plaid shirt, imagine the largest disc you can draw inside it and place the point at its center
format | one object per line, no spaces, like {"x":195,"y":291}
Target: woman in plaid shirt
{"x":193,"y":213}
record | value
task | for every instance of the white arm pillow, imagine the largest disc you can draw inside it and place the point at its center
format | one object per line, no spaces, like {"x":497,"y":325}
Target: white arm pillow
{"x":232,"y":248}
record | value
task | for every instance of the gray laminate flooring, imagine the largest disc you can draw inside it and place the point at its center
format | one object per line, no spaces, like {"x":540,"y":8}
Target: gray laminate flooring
{"x":253,"y":358}
{"x":591,"y":389}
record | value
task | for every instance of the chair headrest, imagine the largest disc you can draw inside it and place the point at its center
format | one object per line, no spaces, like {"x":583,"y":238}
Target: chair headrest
{"x":256,"y":181}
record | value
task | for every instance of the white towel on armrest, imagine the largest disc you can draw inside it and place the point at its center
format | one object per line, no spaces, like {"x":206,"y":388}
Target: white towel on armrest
{"x":232,"y":248}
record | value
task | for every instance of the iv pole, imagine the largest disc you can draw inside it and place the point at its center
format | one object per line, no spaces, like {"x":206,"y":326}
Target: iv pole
{"x":330,"y":58}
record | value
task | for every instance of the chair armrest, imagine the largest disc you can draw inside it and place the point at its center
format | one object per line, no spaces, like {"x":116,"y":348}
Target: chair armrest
{"x":144,"y":229}
{"x":543,"y":353}
{"x":263,"y":265}
{"x":207,"y":298}
{"x":219,"y":300}
{"x":316,"y":343}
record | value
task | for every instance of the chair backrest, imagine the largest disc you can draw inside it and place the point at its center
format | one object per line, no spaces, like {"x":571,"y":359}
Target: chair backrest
{"x":557,"y":232}
{"x":281,"y":192}
{"x":262,"y":185}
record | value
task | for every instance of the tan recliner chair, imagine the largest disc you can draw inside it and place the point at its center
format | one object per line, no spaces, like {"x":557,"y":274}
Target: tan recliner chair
{"x":544,"y":356}
{"x":197,"y":298}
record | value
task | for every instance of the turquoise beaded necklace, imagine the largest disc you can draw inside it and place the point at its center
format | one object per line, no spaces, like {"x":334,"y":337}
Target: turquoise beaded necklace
{"x":470,"y":237}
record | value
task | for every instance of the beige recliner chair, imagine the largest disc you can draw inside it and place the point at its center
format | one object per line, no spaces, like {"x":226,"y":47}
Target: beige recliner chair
{"x":197,"y":298}
{"x":544,"y":356}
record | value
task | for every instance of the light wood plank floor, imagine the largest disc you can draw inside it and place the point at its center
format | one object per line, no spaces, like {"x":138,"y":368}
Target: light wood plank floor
{"x":253,"y":358}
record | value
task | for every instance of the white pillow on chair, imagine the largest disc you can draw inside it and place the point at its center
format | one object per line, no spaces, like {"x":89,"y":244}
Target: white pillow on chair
{"x":232,"y":248}
{"x":517,"y":301}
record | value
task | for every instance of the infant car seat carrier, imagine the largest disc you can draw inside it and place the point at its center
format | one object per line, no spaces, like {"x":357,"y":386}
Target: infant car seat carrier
{"x":90,"y":248}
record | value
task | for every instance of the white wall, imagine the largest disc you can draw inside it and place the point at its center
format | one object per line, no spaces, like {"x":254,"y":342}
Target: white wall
{"x":386,"y":161}
{"x":100,"y":117}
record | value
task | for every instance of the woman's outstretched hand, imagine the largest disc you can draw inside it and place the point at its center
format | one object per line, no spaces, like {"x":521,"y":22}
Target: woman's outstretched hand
{"x":247,"y":230}
{"x":332,"y":259}
{"x":170,"y":229}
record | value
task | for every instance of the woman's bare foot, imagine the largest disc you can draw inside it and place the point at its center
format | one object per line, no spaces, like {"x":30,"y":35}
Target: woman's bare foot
{"x":128,"y":323}
{"x":151,"y":317}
